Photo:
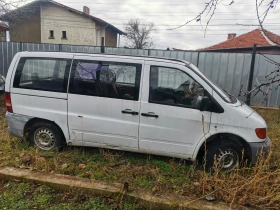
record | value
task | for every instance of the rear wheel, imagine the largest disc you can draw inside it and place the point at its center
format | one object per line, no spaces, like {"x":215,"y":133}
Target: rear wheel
{"x":45,"y":136}
{"x":227,"y":154}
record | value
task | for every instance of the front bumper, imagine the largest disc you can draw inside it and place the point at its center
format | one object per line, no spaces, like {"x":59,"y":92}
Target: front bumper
{"x":16,"y":124}
{"x":258,"y":148}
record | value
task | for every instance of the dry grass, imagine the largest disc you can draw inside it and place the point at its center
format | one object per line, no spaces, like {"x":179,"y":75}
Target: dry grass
{"x":257,"y":187}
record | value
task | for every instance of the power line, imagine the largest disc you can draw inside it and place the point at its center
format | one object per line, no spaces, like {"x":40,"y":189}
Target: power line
{"x":202,"y":34}
{"x":157,"y":4}
{"x":239,"y":29}
{"x":267,"y":24}
{"x":159,"y":30}
{"x":220,"y":13}
{"x":167,"y":25}
{"x":126,"y":19}
{"x":169,"y":12}
{"x":187,"y":27}
{"x":181,"y":20}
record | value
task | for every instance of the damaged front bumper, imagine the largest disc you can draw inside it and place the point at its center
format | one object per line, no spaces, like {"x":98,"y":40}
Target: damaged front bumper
{"x":259,"y":148}
{"x":16,"y":124}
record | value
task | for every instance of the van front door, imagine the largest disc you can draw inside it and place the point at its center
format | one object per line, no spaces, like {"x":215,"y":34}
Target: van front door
{"x":103,"y":102}
{"x":171,"y":122}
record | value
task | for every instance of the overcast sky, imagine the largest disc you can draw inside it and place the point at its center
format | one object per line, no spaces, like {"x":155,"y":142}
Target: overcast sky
{"x":168,"y":14}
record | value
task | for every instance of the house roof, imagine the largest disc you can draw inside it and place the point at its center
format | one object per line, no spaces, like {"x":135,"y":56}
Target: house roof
{"x":98,"y":20}
{"x":247,"y":40}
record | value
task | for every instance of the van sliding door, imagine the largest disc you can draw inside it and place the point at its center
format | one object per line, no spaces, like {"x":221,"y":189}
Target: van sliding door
{"x":103,"y":101}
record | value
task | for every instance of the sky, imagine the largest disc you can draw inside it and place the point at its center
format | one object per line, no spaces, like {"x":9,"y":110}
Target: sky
{"x":166,"y":14}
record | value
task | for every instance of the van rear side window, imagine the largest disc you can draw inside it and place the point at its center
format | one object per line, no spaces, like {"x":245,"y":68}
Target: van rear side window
{"x":47,"y":74}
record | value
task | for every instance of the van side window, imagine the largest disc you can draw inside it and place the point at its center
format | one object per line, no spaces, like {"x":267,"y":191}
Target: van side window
{"x":105,"y":79}
{"x":171,"y":86}
{"x":47,"y":74}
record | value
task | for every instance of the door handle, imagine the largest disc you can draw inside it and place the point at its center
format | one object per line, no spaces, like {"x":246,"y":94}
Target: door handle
{"x":150,"y":114}
{"x":129,"y":111}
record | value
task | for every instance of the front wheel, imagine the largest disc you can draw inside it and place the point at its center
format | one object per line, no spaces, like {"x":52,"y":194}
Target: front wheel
{"x":228,"y":155}
{"x":45,"y":136}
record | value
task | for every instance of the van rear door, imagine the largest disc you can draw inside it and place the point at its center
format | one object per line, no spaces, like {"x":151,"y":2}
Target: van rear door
{"x":103,"y":101}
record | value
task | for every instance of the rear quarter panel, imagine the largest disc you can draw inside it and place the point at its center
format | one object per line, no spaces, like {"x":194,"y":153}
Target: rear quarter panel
{"x":46,"y":105}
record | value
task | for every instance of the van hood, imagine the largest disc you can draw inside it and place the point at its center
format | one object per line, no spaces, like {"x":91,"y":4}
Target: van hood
{"x":250,"y":114}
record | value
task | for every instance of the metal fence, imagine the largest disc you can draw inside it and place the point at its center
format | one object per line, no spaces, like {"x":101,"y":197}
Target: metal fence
{"x":229,"y":70}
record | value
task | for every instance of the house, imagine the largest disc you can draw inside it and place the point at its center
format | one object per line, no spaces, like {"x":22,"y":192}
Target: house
{"x":3,"y":29}
{"x":47,"y":21}
{"x":244,"y":43}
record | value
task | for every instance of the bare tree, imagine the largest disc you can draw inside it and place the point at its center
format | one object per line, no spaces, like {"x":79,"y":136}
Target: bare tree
{"x":14,"y":7}
{"x":139,"y":34}
{"x":211,"y":6}
{"x":271,"y":6}
{"x":263,"y":87}
{"x":15,"y":12}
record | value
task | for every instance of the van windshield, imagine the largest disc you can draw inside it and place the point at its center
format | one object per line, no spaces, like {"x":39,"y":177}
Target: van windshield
{"x":226,"y":96}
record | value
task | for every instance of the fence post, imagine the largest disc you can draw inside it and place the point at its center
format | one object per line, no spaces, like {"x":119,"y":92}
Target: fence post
{"x":251,"y":74}
{"x":197,"y":62}
{"x":20,"y":46}
{"x":102,"y":45}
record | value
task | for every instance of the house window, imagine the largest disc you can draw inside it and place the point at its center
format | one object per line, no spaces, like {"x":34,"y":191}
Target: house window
{"x":51,"y":34}
{"x":64,"y":35}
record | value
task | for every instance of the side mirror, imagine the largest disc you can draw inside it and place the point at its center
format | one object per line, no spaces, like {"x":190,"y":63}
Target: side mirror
{"x":2,"y":84}
{"x":204,"y":103}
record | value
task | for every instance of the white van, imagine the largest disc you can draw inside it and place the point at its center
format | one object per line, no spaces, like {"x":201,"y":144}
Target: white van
{"x":141,"y":104}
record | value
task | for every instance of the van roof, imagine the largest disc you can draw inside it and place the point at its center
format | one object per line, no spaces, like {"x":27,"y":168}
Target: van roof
{"x":151,"y":58}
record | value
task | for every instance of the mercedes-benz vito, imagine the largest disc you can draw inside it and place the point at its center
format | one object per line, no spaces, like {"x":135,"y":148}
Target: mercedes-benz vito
{"x":141,"y":104}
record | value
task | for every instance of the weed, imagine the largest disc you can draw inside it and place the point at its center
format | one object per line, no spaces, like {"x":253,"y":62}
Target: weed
{"x":33,"y":196}
{"x":257,"y":187}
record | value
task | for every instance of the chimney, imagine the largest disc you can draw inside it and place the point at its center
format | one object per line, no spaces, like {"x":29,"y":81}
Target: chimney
{"x":231,"y":36}
{"x":86,"y":10}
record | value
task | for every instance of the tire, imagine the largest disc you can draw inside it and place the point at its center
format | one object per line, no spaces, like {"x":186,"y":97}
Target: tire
{"x":228,"y":155}
{"x":46,"y":136}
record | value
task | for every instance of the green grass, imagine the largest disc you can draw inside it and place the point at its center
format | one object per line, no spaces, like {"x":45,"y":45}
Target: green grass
{"x":158,"y":174}
{"x":18,"y":195}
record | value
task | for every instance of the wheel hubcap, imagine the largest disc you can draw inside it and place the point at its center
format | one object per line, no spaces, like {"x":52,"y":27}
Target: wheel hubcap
{"x":44,"y":138}
{"x":228,"y":160}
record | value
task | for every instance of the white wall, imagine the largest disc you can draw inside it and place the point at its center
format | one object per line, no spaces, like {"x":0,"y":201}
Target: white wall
{"x":100,"y":32}
{"x":80,"y":30}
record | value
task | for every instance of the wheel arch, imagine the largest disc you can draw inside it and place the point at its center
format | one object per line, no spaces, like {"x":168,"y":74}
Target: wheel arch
{"x":216,"y":137}
{"x":32,"y":121}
